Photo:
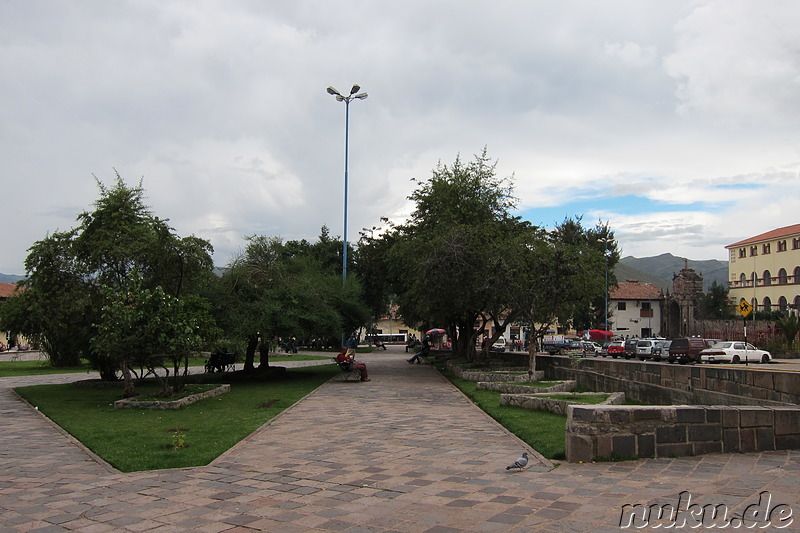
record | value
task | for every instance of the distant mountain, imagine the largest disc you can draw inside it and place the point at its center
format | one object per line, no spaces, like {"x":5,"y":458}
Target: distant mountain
{"x":10,"y":278}
{"x":660,"y":270}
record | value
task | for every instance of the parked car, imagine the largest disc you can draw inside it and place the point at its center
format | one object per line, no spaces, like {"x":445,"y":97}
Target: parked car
{"x":615,"y":349}
{"x":660,"y":350}
{"x":687,"y":349}
{"x":499,"y":345}
{"x":644,"y":348}
{"x":629,"y":349}
{"x":734,"y":352}
{"x":591,"y":348}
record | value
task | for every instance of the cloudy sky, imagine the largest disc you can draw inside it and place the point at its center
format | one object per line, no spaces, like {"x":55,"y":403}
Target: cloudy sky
{"x":675,"y":121}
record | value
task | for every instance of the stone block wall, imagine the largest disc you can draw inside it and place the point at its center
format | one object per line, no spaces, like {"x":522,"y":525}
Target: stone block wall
{"x":672,"y":384}
{"x":604,"y":432}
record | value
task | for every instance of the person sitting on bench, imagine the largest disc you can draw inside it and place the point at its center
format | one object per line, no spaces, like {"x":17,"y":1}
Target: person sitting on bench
{"x":343,"y":357}
{"x":426,"y":348}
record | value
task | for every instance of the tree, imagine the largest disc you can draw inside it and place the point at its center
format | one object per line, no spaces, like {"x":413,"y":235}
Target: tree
{"x":789,"y":326}
{"x":716,"y":304}
{"x":447,"y":263}
{"x":286,"y":289}
{"x":147,"y":328}
{"x":67,"y":270}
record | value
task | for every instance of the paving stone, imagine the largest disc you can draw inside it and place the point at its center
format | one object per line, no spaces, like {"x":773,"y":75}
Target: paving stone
{"x":417,"y":457}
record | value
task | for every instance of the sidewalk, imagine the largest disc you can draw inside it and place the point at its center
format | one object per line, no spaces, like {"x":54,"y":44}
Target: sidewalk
{"x":405,"y":452}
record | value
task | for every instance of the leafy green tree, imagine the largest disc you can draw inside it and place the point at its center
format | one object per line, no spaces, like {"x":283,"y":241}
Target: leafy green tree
{"x":448,"y":263}
{"x":148,"y":328}
{"x":286,"y":289}
{"x":66,"y":271}
{"x":789,"y":326}
{"x":716,"y":304}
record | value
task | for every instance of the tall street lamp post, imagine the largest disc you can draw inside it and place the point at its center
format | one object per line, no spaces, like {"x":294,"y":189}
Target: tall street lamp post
{"x":346,"y":99}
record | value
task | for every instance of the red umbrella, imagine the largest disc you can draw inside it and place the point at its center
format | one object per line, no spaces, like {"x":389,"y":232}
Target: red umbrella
{"x":435,"y":331}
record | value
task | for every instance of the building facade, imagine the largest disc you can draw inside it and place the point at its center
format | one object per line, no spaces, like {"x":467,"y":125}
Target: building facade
{"x":765,"y":270}
{"x":635,"y":309}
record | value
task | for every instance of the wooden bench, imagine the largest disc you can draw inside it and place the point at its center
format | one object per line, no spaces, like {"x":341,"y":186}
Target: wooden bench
{"x":221,"y":362}
{"x":347,"y":370}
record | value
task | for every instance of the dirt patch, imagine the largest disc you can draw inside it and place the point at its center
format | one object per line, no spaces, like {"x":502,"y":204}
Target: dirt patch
{"x":268,"y":404}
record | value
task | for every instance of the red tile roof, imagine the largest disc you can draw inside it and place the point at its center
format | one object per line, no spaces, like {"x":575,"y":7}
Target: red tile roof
{"x":634,"y":290}
{"x":774,"y":234}
{"x":7,"y":289}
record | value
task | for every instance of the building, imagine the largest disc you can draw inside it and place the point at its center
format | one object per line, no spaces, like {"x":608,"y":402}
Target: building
{"x":682,"y":305}
{"x":635,"y":309}
{"x":765,"y":270}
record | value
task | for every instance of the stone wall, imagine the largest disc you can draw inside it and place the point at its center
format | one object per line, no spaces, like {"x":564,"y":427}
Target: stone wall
{"x":132,"y":403}
{"x":604,"y":432}
{"x":545,"y":401}
{"x":514,"y":388}
{"x":673,"y":384}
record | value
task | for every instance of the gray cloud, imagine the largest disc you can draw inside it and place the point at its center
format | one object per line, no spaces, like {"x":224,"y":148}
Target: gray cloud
{"x":221,"y":108}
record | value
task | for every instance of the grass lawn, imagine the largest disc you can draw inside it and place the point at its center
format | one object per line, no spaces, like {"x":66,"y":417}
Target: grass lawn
{"x":544,"y":432}
{"x":37,"y":368}
{"x":594,"y":399}
{"x":133,"y":439}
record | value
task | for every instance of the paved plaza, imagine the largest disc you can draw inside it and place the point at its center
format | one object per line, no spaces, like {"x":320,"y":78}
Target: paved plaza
{"x":405,"y":452}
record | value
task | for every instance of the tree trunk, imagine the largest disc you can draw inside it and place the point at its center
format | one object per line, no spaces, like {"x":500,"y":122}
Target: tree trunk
{"x":129,"y":389}
{"x":250,"y":355}
{"x":263,"y":354}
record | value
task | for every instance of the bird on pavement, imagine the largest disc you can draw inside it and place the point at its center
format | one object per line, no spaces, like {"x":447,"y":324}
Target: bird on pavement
{"x":519,"y":463}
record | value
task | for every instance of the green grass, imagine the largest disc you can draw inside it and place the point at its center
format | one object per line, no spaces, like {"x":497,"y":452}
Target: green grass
{"x":133,"y":439}
{"x":544,"y":432}
{"x":593,"y":399}
{"x":38,"y":368}
{"x":35,"y":368}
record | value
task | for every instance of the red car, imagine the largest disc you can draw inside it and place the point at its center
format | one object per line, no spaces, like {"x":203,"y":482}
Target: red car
{"x":616,"y":348}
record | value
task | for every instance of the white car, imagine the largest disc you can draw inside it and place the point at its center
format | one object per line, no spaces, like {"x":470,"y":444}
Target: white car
{"x":591,"y":348}
{"x":734,"y":352}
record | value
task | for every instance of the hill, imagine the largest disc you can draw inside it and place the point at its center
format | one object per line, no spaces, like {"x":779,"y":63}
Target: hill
{"x":660,"y":270}
{"x":9,"y":278}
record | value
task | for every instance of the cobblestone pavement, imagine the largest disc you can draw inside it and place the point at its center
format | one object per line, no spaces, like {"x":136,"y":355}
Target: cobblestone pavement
{"x":405,"y":452}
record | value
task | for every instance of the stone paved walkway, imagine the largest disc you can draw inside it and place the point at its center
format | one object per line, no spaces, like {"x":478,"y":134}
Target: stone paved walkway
{"x":405,"y":452}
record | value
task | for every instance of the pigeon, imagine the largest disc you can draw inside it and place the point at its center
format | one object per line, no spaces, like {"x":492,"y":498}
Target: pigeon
{"x":519,"y":463}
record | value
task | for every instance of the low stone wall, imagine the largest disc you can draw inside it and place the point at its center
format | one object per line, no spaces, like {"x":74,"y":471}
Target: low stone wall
{"x":513,"y":388}
{"x":174,"y":404}
{"x":604,"y":432}
{"x":498,"y":373}
{"x":546,"y":402}
{"x":673,"y":384}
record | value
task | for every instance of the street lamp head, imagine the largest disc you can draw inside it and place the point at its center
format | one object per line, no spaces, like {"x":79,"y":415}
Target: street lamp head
{"x":333,"y":91}
{"x":339,"y":98}
{"x":360,"y":96}
{"x":355,"y":89}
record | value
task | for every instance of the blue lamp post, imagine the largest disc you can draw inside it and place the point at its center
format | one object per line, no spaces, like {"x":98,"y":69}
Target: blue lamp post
{"x":346,"y":99}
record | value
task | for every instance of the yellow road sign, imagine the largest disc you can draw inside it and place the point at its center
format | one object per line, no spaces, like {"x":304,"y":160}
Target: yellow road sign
{"x":744,"y":307}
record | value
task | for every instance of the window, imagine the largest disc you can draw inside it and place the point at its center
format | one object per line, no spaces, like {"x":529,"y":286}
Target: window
{"x":620,"y":306}
{"x":783,"y":304}
{"x":782,"y":278}
{"x":765,"y":248}
{"x":782,"y":246}
{"x":795,"y":243}
{"x":796,"y":276}
{"x":753,"y":251}
{"x":767,"y":304}
{"x":753,"y":279}
{"x":646,"y":306}
{"x":742,"y":252}
{"x":767,"y":278}
{"x":743,"y":280}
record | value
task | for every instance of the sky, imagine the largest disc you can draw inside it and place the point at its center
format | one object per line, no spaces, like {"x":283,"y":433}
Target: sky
{"x":676,"y":121}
